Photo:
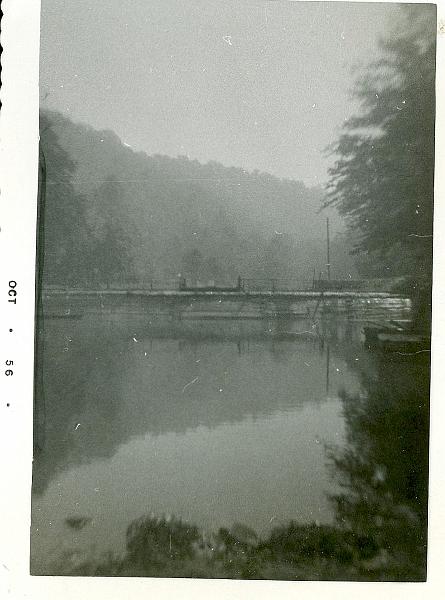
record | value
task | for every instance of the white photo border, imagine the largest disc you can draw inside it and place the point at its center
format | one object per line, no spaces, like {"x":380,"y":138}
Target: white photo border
{"x":18,"y":201}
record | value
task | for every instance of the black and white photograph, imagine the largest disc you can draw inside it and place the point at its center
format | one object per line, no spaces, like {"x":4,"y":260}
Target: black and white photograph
{"x":233,"y":290}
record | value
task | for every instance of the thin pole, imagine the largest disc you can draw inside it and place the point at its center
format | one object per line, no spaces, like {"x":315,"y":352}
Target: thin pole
{"x":328,"y":264}
{"x":327,"y":368}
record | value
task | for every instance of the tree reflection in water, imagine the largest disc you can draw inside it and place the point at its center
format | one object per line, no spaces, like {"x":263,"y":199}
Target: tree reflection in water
{"x":384,"y":468}
{"x":381,"y":512}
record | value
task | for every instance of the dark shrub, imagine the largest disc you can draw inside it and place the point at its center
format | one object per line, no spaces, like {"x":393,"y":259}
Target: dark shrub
{"x":152,"y":540}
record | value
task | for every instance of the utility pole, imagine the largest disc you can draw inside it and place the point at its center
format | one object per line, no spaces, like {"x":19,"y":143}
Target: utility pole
{"x":328,"y":263}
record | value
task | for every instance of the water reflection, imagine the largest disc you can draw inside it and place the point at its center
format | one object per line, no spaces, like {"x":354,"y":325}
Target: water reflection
{"x":235,"y":422}
{"x":105,"y":384}
{"x":384,"y":467}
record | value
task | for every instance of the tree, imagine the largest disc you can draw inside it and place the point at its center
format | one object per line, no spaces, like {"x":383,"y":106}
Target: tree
{"x":112,"y":251}
{"x":382,"y":181}
{"x":279,"y":257}
{"x":192,"y":265}
{"x":383,"y":477}
{"x":64,"y":259}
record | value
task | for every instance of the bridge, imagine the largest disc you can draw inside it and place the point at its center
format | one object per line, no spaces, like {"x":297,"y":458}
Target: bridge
{"x":248,"y":299}
{"x":245,"y":288}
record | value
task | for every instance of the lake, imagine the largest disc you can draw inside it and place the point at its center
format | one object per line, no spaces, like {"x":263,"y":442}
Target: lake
{"x":216,"y":422}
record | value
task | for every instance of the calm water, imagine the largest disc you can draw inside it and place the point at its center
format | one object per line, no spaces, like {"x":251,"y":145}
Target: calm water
{"x":213,"y":422}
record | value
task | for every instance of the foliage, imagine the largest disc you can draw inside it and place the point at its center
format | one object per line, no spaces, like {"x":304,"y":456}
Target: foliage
{"x":384,"y":477}
{"x":65,"y":234}
{"x":382,"y":181}
{"x":111,"y":261}
{"x":78,"y":250}
{"x":149,"y":539}
{"x":155,"y":217}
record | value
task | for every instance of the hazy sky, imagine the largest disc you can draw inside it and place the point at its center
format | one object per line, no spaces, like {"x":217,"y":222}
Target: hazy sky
{"x":253,"y":83}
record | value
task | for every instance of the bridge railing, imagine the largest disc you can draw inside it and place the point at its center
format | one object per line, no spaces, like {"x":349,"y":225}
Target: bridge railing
{"x":161,"y":284}
{"x":248,"y":284}
{"x":241,"y":284}
{"x":276,"y":285}
{"x":340,"y":285}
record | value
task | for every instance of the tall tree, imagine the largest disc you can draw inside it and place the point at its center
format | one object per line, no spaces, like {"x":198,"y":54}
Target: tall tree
{"x":280,"y":257}
{"x":192,"y":265}
{"x":65,"y":251}
{"x":382,"y":181}
{"x":114,"y":238}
